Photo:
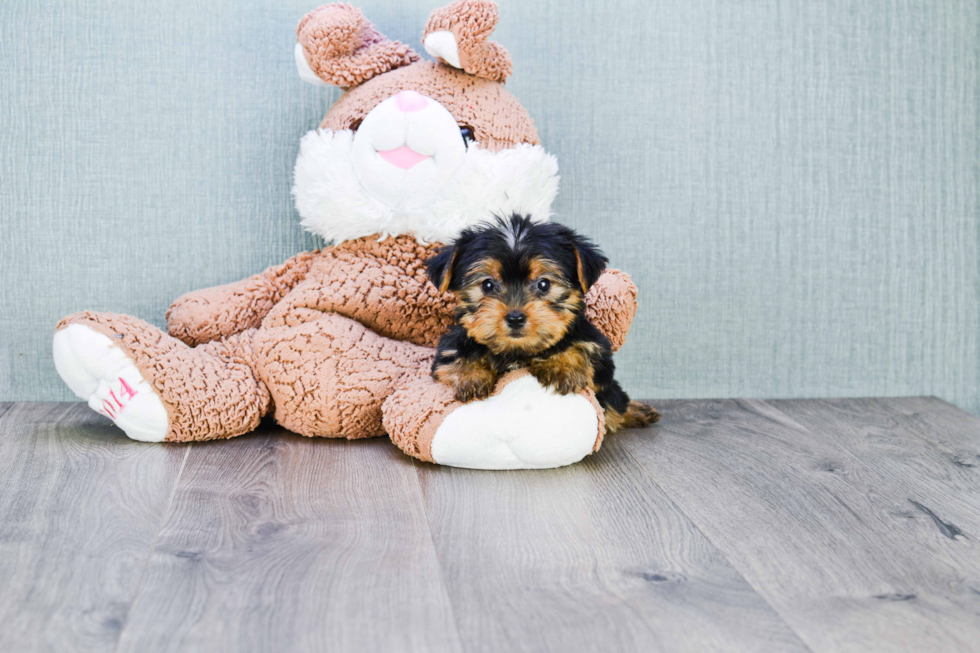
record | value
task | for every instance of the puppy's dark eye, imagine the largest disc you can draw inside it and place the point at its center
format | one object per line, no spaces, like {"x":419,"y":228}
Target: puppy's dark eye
{"x":488,"y":285}
{"x":467,"y":134}
{"x":543,"y":285}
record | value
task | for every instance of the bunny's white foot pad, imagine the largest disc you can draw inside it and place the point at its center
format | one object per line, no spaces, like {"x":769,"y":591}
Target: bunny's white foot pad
{"x":526,"y":426}
{"x":103,"y":375}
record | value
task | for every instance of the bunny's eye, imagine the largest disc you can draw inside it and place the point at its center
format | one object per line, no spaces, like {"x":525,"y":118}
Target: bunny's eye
{"x":467,"y":133}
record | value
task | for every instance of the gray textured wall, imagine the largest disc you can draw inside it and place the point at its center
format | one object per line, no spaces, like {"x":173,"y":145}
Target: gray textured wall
{"x":792,"y":183}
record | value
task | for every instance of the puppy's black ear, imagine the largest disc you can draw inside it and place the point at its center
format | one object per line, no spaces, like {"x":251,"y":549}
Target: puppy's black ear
{"x":590,"y":262}
{"x":440,"y":267}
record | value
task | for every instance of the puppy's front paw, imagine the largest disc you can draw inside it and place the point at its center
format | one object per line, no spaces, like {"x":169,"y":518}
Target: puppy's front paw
{"x":473,"y":389}
{"x":469,"y":379}
{"x":564,"y":380}
{"x":568,"y":371}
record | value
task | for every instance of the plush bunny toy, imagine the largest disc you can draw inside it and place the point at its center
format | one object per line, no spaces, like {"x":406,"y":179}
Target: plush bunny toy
{"x":338,"y":343}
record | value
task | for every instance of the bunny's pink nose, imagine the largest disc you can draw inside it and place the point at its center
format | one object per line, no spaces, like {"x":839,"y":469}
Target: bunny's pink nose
{"x":409,"y":101}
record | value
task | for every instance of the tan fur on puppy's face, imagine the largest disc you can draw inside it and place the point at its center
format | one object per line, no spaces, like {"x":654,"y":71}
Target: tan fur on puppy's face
{"x":549,"y":313}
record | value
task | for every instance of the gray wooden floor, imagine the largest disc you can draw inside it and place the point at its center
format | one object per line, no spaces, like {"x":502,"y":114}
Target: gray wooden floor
{"x":740,"y":525}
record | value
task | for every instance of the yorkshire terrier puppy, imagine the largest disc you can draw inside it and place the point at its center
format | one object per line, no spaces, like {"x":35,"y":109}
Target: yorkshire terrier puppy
{"x":520,"y":288}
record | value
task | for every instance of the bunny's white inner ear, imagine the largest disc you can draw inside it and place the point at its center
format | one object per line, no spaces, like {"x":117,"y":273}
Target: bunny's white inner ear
{"x":442,"y":44}
{"x":303,"y":67}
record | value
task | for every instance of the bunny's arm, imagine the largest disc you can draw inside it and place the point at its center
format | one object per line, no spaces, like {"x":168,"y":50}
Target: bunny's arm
{"x":611,"y":304}
{"x":213,"y":313}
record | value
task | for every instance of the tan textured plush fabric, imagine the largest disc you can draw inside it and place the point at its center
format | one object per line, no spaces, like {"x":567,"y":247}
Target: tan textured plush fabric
{"x":412,"y":415}
{"x":471,"y":22}
{"x":329,"y":377}
{"x":496,"y":117}
{"x":610,"y":305}
{"x":213,"y":313}
{"x":381,"y":284}
{"x":343,"y":48}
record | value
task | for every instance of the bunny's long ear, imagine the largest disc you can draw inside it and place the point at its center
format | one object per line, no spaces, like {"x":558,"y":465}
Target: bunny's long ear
{"x":457,"y":35}
{"x":336,"y":44}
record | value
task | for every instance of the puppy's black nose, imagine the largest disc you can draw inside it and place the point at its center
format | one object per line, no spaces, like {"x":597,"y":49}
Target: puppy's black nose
{"x":515,"y":319}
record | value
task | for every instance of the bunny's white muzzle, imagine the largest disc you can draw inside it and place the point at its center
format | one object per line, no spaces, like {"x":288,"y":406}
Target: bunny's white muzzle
{"x":406,"y":150}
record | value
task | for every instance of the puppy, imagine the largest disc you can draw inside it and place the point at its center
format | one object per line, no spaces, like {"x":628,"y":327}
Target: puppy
{"x":520,"y":289}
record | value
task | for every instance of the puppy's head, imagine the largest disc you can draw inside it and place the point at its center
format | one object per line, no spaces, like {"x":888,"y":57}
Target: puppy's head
{"x":519,"y":284}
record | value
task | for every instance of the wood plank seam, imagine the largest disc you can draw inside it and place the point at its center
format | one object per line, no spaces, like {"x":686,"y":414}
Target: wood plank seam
{"x":156,"y":538}
{"x":720,"y":549}
{"x":435,"y":551}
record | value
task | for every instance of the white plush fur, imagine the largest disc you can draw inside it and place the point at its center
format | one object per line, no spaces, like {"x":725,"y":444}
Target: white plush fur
{"x":344,"y":190}
{"x":303,"y":68}
{"x":442,"y":44}
{"x":526,"y":426}
{"x":430,"y":131}
{"x":95,"y":368}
